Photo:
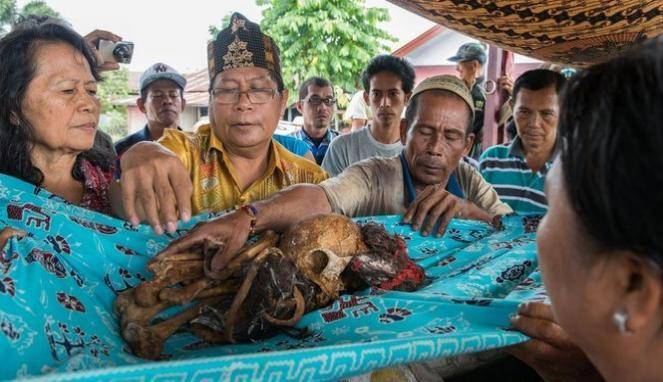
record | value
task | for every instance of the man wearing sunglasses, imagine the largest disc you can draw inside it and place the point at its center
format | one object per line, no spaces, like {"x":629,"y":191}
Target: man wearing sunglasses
{"x":317,"y":105}
{"x":231,"y":162}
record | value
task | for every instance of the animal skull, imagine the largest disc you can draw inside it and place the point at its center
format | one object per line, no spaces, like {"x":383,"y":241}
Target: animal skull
{"x":321,"y":248}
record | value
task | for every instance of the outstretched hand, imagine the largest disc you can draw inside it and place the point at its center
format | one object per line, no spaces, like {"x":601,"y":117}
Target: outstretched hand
{"x":232,"y":230}
{"x":550,"y":352}
{"x":435,"y":204}
{"x":155,"y":184}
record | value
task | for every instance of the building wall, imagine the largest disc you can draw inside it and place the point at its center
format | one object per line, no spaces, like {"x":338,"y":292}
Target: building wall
{"x":430,"y":58}
{"x":435,"y":51}
{"x":424,"y":72}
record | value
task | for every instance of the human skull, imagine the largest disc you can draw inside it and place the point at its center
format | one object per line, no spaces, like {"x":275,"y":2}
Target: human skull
{"x":321,"y":247}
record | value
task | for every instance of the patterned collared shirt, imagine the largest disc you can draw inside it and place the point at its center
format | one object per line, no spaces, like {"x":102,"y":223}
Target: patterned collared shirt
{"x":320,"y":149}
{"x":214,"y":179}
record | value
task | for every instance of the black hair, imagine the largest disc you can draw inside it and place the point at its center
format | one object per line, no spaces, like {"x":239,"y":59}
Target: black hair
{"x":511,"y":130}
{"x":413,"y":105}
{"x":538,"y":79}
{"x":17,"y":69}
{"x":278,"y":78}
{"x":610,"y":127}
{"x":387,"y":63}
{"x":315,"y":81}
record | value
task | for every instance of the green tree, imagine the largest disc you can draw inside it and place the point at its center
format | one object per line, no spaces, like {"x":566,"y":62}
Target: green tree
{"x":334,"y":39}
{"x":114,"y":87}
{"x":214,"y":30}
{"x":7,"y":15}
{"x":37,"y":7}
{"x":10,"y":14}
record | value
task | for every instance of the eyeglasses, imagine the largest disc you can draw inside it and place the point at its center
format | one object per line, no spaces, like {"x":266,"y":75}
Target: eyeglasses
{"x":316,"y":101}
{"x":231,"y":96}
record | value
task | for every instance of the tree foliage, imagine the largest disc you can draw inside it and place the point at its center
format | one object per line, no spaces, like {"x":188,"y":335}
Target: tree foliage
{"x":114,"y":87}
{"x":334,"y":39}
{"x":214,"y":30}
{"x":10,"y":14}
{"x":40,"y":8}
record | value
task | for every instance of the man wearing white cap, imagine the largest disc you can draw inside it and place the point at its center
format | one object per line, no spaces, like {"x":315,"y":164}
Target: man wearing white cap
{"x":427,"y":182}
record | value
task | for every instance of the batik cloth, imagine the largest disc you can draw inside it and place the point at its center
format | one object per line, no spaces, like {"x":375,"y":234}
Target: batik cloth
{"x":57,"y":288}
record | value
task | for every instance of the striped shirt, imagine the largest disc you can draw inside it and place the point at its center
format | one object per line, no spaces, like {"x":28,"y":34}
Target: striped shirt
{"x":504,"y":167}
{"x":320,"y":149}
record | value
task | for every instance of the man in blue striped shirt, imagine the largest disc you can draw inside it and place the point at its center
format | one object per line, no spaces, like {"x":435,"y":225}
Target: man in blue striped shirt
{"x":517,"y":170}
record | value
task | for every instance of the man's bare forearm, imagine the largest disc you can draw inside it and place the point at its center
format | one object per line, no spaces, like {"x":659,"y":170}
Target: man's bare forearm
{"x":290,"y":206}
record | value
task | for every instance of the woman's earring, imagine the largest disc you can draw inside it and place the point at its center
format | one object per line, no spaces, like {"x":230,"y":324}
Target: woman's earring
{"x":13,"y":119}
{"x":620,"y":319}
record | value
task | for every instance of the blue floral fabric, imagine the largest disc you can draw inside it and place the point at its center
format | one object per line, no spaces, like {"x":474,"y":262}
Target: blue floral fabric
{"x":57,"y":287}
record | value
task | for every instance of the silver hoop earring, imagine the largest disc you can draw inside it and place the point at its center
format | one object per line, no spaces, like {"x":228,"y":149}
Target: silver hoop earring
{"x":620,"y":319}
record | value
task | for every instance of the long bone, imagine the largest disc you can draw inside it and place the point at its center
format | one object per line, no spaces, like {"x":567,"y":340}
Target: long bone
{"x":147,"y":293}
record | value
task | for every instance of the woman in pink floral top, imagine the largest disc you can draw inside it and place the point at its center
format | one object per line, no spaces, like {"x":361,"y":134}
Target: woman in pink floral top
{"x":49,"y":114}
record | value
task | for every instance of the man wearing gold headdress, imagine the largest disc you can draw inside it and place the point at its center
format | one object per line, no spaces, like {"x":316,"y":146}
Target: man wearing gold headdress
{"x":231,"y":161}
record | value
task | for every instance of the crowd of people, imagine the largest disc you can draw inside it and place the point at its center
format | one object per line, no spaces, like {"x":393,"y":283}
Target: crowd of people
{"x":586,"y":154}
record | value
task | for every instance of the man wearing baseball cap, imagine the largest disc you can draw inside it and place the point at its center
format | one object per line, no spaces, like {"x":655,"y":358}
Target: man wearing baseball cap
{"x":427,"y":183}
{"x":470,"y":60}
{"x":162,"y":102}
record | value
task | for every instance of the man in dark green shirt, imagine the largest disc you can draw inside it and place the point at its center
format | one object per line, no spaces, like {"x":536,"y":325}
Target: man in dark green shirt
{"x":470,"y":59}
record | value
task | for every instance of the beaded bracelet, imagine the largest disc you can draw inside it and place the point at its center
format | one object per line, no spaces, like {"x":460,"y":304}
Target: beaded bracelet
{"x":252,"y":211}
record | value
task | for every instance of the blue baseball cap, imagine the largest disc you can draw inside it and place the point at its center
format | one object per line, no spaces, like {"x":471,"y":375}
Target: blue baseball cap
{"x":161,"y":71}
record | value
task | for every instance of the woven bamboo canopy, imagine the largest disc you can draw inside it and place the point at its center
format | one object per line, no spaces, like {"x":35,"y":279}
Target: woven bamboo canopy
{"x":575,"y":33}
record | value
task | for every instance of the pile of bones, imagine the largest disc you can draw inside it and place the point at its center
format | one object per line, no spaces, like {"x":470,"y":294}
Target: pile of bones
{"x":267,"y":288}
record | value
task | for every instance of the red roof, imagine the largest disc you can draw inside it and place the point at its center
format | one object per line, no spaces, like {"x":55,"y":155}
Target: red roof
{"x":418,"y":41}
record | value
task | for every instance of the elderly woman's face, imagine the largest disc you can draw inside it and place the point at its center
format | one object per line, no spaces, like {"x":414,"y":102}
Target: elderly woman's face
{"x":61,"y":102}
{"x":571,"y":273}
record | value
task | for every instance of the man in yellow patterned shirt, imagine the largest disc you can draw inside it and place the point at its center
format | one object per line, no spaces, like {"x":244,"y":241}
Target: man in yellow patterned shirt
{"x":214,"y":177}
{"x":233,"y":160}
